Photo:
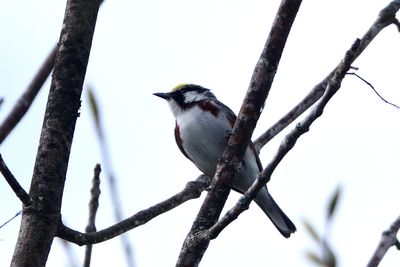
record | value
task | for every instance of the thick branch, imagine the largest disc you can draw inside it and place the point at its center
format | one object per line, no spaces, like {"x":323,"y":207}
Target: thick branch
{"x":385,"y":18}
{"x":39,"y":226}
{"x":192,"y":190}
{"x":195,"y":246}
{"x":287,"y":144}
{"x":388,"y":240}
{"x":13,"y":183}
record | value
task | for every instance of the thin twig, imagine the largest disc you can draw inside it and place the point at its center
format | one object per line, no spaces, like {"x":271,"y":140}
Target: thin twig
{"x":192,"y":190}
{"x":12,"y":218}
{"x":388,"y":240}
{"x":286,"y":145}
{"x":13,"y":183}
{"x":25,"y":101}
{"x":93,"y":206}
{"x":110,"y":177}
{"x":372,"y":87}
{"x":385,"y":18}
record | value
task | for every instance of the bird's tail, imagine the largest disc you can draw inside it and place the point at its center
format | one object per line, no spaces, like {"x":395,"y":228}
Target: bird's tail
{"x":276,"y":215}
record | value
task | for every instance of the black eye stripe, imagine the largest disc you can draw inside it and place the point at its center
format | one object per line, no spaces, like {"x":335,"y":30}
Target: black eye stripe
{"x":178,"y":97}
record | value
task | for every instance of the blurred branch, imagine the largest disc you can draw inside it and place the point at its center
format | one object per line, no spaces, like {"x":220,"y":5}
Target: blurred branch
{"x":71,"y":256}
{"x":93,"y":206}
{"x":25,"y":101}
{"x":388,"y":240}
{"x":386,"y":17}
{"x":397,"y":23}
{"x":325,"y":256}
{"x":287,"y":144}
{"x":192,"y":190}
{"x":13,"y":183}
{"x":112,"y":181}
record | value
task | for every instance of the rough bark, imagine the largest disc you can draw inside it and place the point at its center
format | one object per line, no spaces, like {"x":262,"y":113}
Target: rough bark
{"x":40,"y":221}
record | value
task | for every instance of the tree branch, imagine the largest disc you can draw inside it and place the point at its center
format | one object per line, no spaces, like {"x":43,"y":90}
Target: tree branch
{"x":38,"y":227}
{"x":110,"y":176}
{"x":13,"y":183}
{"x":93,"y":206}
{"x":195,"y":245}
{"x":192,"y":190}
{"x":373,"y":89}
{"x":386,"y":17}
{"x":25,"y":101}
{"x":388,"y":240}
{"x":287,"y":144}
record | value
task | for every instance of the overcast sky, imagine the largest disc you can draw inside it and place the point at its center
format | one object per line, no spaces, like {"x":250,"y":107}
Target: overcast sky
{"x":150,"y":46}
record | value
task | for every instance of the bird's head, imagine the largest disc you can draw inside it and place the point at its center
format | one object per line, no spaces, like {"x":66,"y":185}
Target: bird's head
{"x":184,"y":95}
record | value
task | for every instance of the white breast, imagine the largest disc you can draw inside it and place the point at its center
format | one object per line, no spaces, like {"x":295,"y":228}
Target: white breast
{"x":204,"y":137}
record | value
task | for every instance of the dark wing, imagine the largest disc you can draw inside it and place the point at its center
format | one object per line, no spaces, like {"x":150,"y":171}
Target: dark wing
{"x":260,"y":167}
{"x":179,"y":140}
{"x":232,"y":118}
{"x":230,"y":115}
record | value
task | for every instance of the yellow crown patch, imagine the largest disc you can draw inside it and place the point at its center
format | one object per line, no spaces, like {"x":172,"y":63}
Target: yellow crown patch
{"x":179,"y":87}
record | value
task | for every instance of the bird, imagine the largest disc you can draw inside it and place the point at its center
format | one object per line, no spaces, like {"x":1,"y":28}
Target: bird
{"x":202,"y":128}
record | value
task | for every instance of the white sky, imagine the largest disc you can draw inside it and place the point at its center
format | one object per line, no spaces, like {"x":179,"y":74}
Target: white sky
{"x":144,"y":47}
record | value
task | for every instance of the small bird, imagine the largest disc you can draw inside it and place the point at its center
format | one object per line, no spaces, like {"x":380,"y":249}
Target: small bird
{"x":202,"y":128}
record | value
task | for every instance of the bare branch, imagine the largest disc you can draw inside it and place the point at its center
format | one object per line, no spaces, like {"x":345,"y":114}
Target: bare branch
{"x":192,"y":190}
{"x":287,"y":144}
{"x":388,"y":240}
{"x":12,"y":218}
{"x":195,"y":245}
{"x":110,"y":174}
{"x":93,"y":205}
{"x":13,"y":183}
{"x":397,"y":23}
{"x":25,"y":101}
{"x":372,"y":87}
{"x":39,"y":227}
{"x":385,"y":18}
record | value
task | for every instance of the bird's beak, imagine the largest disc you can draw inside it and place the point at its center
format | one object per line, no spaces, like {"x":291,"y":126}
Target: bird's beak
{"x":165,"y":96}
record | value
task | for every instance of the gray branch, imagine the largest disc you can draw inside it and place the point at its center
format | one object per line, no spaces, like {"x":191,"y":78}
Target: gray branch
{"x":386,"y":17}
{"x":388,"y":240}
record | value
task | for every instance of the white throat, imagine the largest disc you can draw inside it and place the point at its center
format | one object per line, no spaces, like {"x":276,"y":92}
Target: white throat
{"x":175,"y":108}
